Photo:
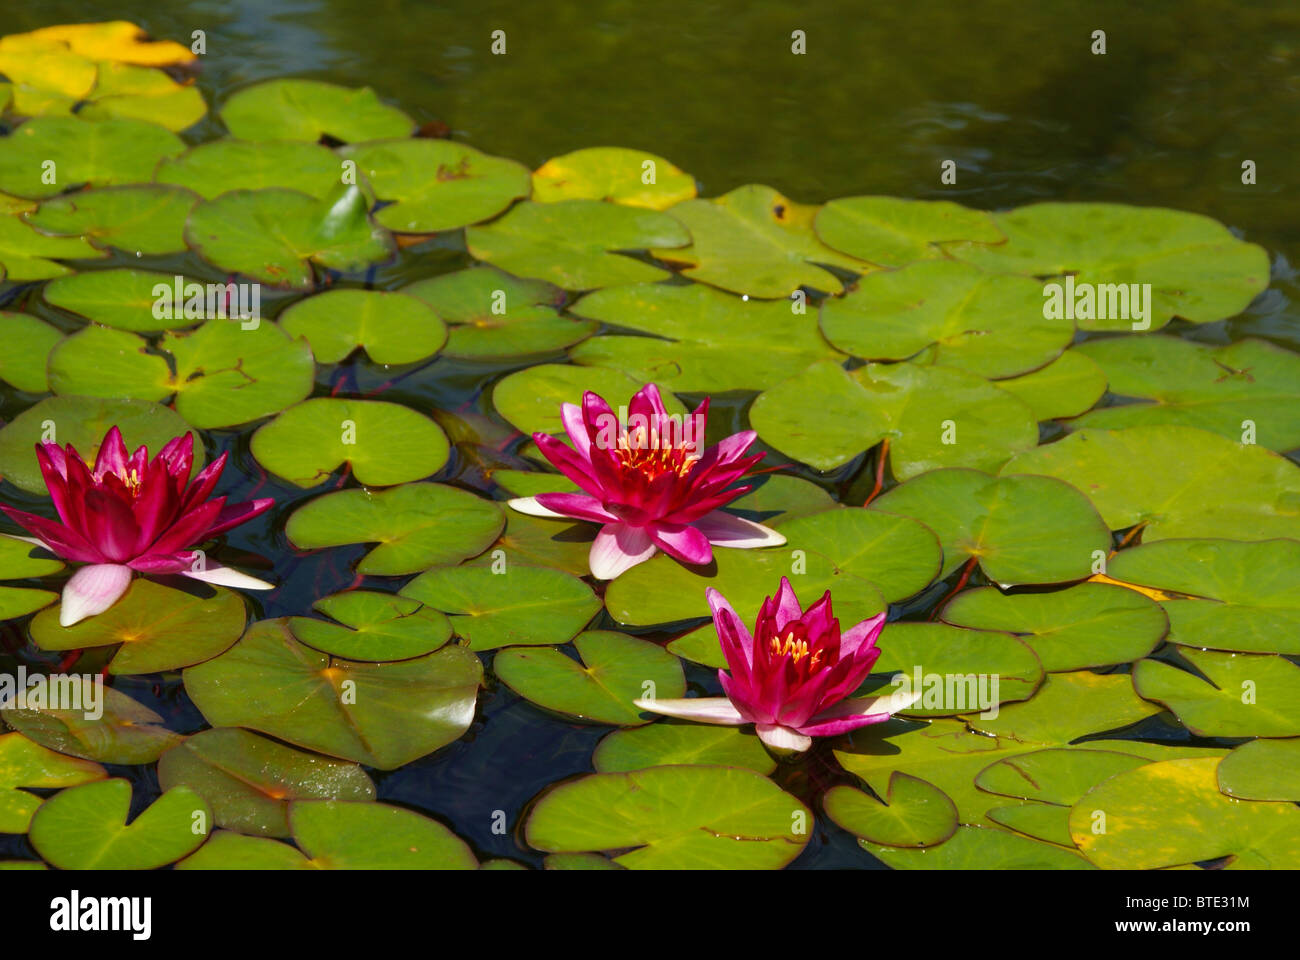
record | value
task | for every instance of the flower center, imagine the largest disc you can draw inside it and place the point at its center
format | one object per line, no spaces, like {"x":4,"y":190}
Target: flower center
{"x":651,"y":454}
{"x":796,"y":648}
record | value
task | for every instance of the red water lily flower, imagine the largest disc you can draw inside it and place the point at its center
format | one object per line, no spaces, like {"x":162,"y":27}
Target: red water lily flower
{"x":128,"y":513}
{"x":792,"y":676}
{"x":647,"y":481}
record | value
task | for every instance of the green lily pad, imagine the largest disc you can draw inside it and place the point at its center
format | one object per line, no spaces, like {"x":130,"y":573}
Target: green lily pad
{"x":1039,"y":821}
{"x":379,"y":714}
{"x":980,"y":848}
{"x":1179,"y":481}
{"x":100,"y":154}
{"x":989,"y":324}
{"x":141,"y":219}
{"x":543,"y":542}
{"x":275,"y":236}
{"x":17,"y":602}
{"x":159,"y":628}
{"x":1241,"y":596}
{"x":124,"y":732}
{"x":436,"y":185}
{"x":373,"y":626}
{"x":1088,"y":625}
{"x":701,"y":646}
{"x":1054,"y":776}
{"x":578,"y":861}
{"x":576,"y":244}
{"x":249,"y":780}
{"x":891,"y":231}
{"x":1197,"y":269}
{"x":493,"y":314}
{"x":131,"y":92}
{"x":780,"y":497}
{"x":852,"y":552}
{"x":531,"y":398}
{"x":25,"y":765}
{"x":211,"y":169}
{"x":417,"y":526}
{"x":345,"y":835}
{"x":223,"y":374}
{"x":1170,"y":813}
{"x":943,"y":650}
{"x":83,"y":422}
{"x":1244,"y":696}
{"x":520,"y":605}
{"x":20,"y":560}
{"x":915,"y":813}
{"x":1021,"y":529}
{"x":26,"y":254}
{"x":614,"y":174}
{"x":85,"y":828}
{"x":668,"y":744}
{"x":615,"y":670}
{"x":122,"y":298}
{"x":384,"y":443}
{"x":1221,"y":389}
{"x":391,"y":327}
{"x":700,"y":339}
{"x":1262,"y":770}
{"x":28,"y":341}
{"x":1066,"y":387}
{"x":756,"y":242}
{"x":683,"y":817}
{"x":825,"y":416}
{"x":289,"y":109}
{"x":232,"y":851}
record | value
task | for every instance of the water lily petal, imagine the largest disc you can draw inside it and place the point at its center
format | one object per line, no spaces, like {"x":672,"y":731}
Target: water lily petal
{"x":93,"y":590}
{"x":530,"y":506}
{"x":576,"y":428}
{"x":682,"y":542}
{"x":860,"y":634}
{"x":579,"y":506}
{"x":112,"y":454}
{"x":619,"y":547}
{"x":717,"y":710}
{"x":850,"y":714}
{"x":731,"y":631}
{"x":729,"y":530}
{"x":782,"y":738}
{"x":233,"y":514}
{"x":64,"y":541}
{"x":226,"y":577}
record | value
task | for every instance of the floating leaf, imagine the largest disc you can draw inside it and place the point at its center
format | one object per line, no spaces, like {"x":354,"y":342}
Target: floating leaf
{"x":435,"y":185}
{"x":1055,"y":776}
{"x":94,"y":723}
{"x":1066,"y":387}
{"x":384,"y":443}
{"x":668,"y":744}
{"x":1178,"y":481}
{"x":614,"y":671}
{"x":544,"y":542}
{"x":575,"y":244}
{"x":26,"y":254}
{"x":756,"y":242}
{"x":232,"y":851}
{"x":980,"y":848}
{"x":289,"y":109}
{"x":85,"y":828}
{"x":615,"y":174}
{"x":700,"y":339}
{"x":20,"y":560}
{"x":249,"y":780}
{"x":117,"y":41}
{"x":25,"y":765}
{"x":97,"y":153}
{"x":523,"y":605}
{"x":379,"y":714}
{"x":141,"y":219}
{"x":915,"y":813}
{"x":373,"y":626}
{"x":686,"y":817}
{"x":28,"y":341}
{"x":1089,"y":625}
{"x":989,"y":324}
{"x":130,"y":299}
{"x":578,"y":861}
{"x":891,"y":231}
{"x":219,"y":166}
{"x":391,"y":327}
{"x":1197,"y":269}
{"x":342,"y":835}
{"x":126,"y":91}
{"x":531,"y":398}
{"x":1244,"y":696}
{"x":1262,"y":770}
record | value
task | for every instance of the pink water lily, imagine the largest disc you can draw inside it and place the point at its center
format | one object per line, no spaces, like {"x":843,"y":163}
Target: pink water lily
{"x":792,"y":676}
{"x":647,"y":482}
{"x":129,"y":514}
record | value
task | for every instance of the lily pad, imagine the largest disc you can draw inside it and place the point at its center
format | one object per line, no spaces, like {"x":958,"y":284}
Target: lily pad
{"x":1066,"y":387}
{"x":123,"y":298}
{"x":344,"y":835}
{"x":26,"y":765}
{"x":435,"y":185}
{"x":219,"y":166}
{"x":614,"y":174}
{"x":393,"y":328}
{"x":142,"y":219}
{"x":699,"y":339}
{"x":131,"y":92}
{"x":1245,"y":385}
{"x":83,"y":422}
{"x":576,"y":244}
{"x":891,"y":231}
{"x":701,"y":646}
{"x":20,"y":560}
{"x":756,"y":242}
{"x":26,"y":254}
{"x":249,"y":781}
{"x":1178,"y":481}
{"x":914,"y":814}
{"x":124,"y":732}
{"x":989,"y":324}
{"x":531,"y":398}
{"x":1088,"y":625}
{"x":1054,"y":776}
{"x":275,"y":235}
{"x":520,"y":605}
{"x":28,"y":342}
{"x":85,"y":828}
{"x":290,"y":109}
{"x":226,"y":850}
{"x":668,"y":744}
{"x":681,"y":817}
{"x":615,"y":670}
{"x":1197,"y":269}
{"x":1021,"y":529}
{"x":373,"y":626}
{"x":1262,"y":770}
{"x":1243,"y":696}
{"x":543,"y":542}
{"x":980,"y":848}
{"x":384,"y":443}
{"x":159,"y":628}
{"x":98,"y":153}
{"x":379,"y":714}
{"x":934,"y":417}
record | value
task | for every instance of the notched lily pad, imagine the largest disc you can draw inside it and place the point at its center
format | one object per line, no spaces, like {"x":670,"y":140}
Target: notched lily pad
{"x":615,"y":174}
{"x":392,"y":328}
{"x":290,"y":109}
{"x":141,"y":219}
{"x":915,"y":813}
{"x":891,"y":231}
{"x":26,"y":765}
{"x":373,"y":626}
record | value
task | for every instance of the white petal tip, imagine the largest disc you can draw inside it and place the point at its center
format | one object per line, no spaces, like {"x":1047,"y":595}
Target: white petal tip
{"x":530,"y":506}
